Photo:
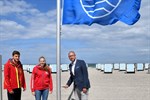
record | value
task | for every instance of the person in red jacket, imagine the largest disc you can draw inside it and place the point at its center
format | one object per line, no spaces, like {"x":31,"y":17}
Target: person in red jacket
{"x":41,"y":80}
{"x":14,"y":78}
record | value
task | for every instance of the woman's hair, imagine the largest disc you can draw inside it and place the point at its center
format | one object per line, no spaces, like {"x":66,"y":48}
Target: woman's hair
{"x":42,"y":57}
{"x":46,"y":68}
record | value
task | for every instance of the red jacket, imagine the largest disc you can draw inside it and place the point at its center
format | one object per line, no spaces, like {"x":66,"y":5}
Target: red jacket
{"x":41,"y":79}
{"x":13,"y":76}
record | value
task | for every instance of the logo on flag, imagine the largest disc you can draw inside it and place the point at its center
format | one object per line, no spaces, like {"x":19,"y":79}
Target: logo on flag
{"x":103,"y":12}
{"x":99,"y":8}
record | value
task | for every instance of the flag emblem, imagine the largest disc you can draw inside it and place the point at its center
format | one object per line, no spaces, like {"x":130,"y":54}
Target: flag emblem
{"x":99,"y":8}
{"x":103,"y":12}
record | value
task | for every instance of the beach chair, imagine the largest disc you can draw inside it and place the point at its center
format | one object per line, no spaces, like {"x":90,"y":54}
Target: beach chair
{"x":2,"y":67}
{"x":64,"y":67}
{"x":30,"y":68}
{"x":146,"y":66}
{"x":140,"y":67}
{"x":116,"y":66}
{"x":98,"y":66}
{"x":122,"y":67}
{"x":108,"y":68}
{"x":25,"y":67}
{"x":54,"y":68}
{"x":130,"y":68}
{"x":102,"y":67}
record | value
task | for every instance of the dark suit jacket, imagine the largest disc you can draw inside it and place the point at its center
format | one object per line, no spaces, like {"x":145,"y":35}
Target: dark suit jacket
{"x":80,"y":78}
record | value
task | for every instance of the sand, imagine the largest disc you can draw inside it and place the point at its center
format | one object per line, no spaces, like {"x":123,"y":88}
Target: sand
{"x":116,"y":86}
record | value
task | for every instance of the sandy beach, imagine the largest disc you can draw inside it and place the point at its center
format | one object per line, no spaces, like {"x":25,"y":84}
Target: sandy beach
{"x":115,"y":86}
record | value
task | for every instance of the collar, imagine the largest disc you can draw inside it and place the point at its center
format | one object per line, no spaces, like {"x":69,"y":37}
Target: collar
{"x":74,"y":62}
{"x":16,"y":64}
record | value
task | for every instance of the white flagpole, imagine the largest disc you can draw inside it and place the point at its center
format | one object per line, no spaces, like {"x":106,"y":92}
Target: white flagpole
{"x":1,"y":77}
{"x":58,"y":47}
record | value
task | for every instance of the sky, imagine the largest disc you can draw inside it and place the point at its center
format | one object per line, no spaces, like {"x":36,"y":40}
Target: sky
{"x":29,"y":26}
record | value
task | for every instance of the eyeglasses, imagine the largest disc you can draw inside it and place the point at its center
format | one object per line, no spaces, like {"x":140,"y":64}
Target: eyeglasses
{"x":71,"y":55}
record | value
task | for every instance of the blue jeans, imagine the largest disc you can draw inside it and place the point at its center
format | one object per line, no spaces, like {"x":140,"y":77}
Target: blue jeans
{"x":41,"y":93}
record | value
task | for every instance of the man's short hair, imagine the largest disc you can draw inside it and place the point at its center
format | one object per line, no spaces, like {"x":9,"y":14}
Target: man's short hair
{"x":71,"y":52}
{"x":15,"y":52}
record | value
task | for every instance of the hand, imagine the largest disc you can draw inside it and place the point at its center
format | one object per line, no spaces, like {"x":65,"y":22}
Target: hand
{"x":33,"y":93}
{"x":66,"y":86}
{"x":84,"y":90}
{"x":50,"y":92}
{"x":11,"y":92}
{"x":24,"y":89}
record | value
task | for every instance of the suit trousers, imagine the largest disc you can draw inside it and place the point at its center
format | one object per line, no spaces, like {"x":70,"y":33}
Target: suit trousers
{"x":79,"y":95}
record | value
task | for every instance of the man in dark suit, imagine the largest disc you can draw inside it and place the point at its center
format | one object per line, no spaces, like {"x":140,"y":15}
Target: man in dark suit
{"x":78,"y":75}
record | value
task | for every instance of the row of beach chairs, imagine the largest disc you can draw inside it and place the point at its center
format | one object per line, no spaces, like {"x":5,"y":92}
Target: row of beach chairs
{"x":64,"y":67}
{"x":106,"y":68}
{"x":129,"y":68}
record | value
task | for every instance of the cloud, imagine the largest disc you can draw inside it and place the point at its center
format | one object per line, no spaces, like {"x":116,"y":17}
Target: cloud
{"x":13,"y":6}
{"x":30,"y":50}
{"x":10,"y":29}
{"x":43,"y":25}
{"x":116,"y":42}
{"x":117,"y":32}
{"x":30,"y":23}
{"x":96,"y":43}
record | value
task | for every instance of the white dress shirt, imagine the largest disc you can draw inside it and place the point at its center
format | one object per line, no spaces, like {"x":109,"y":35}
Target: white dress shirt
{"x":73,"y":67}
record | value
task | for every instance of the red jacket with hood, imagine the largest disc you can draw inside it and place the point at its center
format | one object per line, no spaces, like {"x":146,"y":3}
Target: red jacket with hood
{"x":13,"y":76}
{"x":41,"y":79}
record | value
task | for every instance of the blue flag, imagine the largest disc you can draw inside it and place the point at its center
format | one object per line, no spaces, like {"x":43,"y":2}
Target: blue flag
{"x":103,"y":12}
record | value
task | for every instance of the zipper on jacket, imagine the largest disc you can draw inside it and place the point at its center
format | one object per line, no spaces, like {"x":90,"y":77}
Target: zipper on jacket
{"x":17,"y":77}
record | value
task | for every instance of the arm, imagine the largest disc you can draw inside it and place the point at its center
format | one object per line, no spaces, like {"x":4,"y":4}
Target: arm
{"x":70,"y":80}
{"x":24,"y":82}
{"x":32,"y":80}
{"x":7,"y":78}
{"x":51,"y":82}
{"x":85,"y":74}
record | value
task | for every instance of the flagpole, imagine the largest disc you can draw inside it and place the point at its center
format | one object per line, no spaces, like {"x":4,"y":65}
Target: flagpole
{"x":1,"y":77}
{"x":58,"y":54}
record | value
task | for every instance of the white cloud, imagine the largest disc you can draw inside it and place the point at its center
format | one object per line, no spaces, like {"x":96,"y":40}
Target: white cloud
{"x":10,"y":29}
{"x":99,"y":42}
{"x":30,"y":52}
{"x":39,"y":24}
{"x":13,"y":6}
{"x":117,"y":32}
{"x":43,"y":24}
{"x":119,"y":40}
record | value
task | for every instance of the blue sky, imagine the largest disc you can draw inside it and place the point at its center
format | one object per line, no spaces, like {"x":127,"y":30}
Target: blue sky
{"x":30,"y":27}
